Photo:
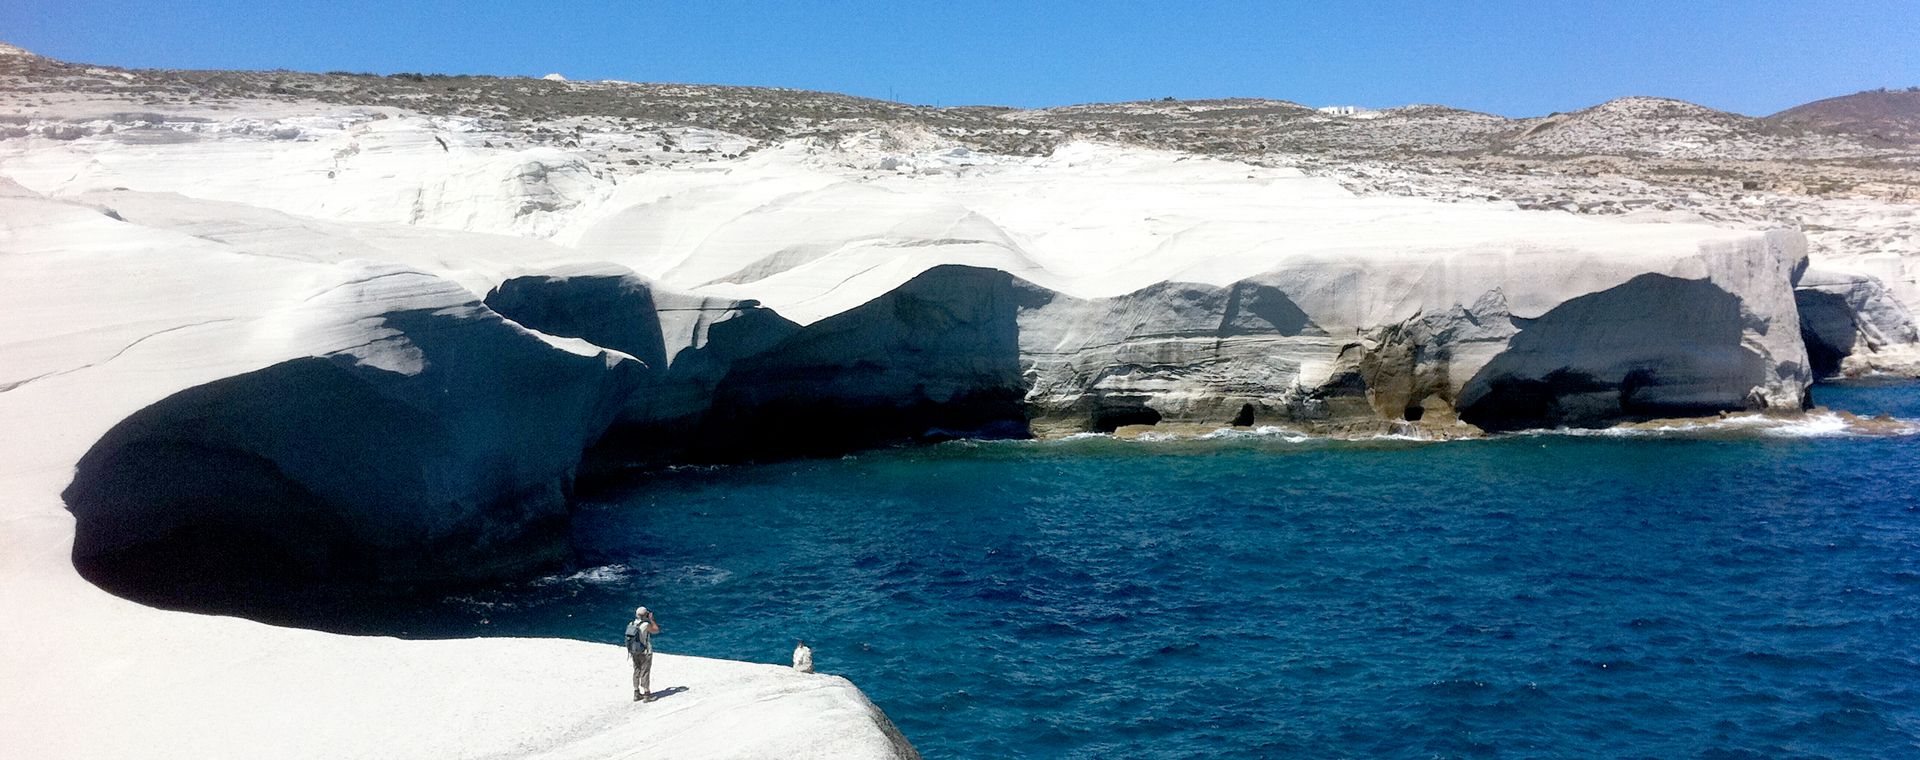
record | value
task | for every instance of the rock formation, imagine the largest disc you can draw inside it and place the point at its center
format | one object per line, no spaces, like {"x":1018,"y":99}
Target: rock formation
{"x":363,"y":334}
{"x":401,"y":430}
{"x":1853,"y":326}
{"x":1288,"y":348}
{"x":443,"y":448}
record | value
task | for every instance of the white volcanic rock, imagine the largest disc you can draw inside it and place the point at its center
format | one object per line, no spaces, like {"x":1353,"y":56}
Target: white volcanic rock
{"x":1855,"y":326}
{"x":429,"y":373}
{"x":1524,"y":350}
{"x":354,"y":166}
{"x":689,"y":343}
{"x":1095,"y":224}
{"x":441,"y":446}
{"x":106,"y":317}
{"x":856,"y":290}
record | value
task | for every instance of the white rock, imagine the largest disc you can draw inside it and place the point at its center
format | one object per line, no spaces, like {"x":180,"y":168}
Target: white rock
{"x":1854,"y":326}
{"x":106,"y":317}
{"x":1097,"y":285}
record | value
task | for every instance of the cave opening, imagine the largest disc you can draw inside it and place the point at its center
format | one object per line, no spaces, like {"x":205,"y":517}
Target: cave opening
{"x":1413,"y":413}
{"x":1111,"y":419}
{"x":1245,"y":417}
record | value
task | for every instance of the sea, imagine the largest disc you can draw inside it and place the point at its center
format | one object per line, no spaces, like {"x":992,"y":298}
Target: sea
{"x":1725,"y":590}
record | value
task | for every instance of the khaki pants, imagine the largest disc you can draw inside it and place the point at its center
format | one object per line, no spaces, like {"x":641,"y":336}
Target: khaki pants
{"x":642,"y":669}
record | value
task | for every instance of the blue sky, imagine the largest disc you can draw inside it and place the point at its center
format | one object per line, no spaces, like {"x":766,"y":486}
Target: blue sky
{"x":1512,"y":58}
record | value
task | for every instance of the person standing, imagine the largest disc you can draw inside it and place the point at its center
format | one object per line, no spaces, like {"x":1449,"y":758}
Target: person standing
{"x":640,"y":649}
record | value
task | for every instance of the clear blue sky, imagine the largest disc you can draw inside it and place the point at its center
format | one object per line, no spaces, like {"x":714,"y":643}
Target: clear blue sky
{"x":1517,"y":58}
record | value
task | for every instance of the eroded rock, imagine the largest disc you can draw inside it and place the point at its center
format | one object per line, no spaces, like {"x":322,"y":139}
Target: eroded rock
{"x":1854,"y":326}
{"x":442,"y":449}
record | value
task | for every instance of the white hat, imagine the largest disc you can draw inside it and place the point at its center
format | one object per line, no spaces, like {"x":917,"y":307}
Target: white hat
{"x":642,"y":612}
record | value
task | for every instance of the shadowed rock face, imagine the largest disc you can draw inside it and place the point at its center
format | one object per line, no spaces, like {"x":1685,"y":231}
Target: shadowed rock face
{"x":1174,"y":352}
{"x":456,"y":466}
{"x":614,"y":311}
{"x":692,"y":341}
{"x":1853,"y":325}
{"x":937,"y":356}
{"x":1828,"y":326}
{"x":452,"y":456}
{"x":1655,"y":346}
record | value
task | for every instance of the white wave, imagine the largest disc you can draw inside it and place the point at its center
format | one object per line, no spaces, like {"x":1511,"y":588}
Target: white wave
{"x":592,"y":576}
{"x":477,"y":603}
{"x":699,"y":575}
{"x":1822,"y":424}
{"x":1262,"y":432}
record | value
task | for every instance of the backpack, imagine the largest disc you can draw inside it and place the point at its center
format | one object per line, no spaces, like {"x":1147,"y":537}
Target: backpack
{"x":637,"y":639}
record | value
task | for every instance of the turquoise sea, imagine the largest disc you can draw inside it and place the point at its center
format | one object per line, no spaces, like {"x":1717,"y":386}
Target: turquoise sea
{"x":1710,"y":594}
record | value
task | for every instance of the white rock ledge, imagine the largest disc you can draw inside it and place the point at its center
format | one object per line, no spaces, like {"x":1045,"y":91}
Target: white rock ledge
{"x":104,"y":317}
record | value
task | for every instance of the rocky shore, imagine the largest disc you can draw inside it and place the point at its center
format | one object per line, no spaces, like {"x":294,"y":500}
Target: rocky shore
{"x":312,"y":335}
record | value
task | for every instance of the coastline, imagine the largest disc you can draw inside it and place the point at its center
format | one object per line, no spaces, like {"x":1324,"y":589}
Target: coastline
{"x":1814,"y":421}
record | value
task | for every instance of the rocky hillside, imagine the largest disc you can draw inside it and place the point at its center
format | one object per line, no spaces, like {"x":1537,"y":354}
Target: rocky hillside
{"x":1889,"y":115}
{"x":1673,"y":129}
{"x":1243,"y":128}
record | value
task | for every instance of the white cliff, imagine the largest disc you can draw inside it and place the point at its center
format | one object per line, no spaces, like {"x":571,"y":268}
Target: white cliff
{"x":401,"y":334}
{"x":142,"y":343}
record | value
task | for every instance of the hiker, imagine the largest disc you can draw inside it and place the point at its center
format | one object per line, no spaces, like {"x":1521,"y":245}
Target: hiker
{"x":640,"y":649}
{"x":803,"y":658}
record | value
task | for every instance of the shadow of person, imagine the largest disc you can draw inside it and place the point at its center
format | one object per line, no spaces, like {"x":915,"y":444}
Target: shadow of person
{"x":668,"y":692}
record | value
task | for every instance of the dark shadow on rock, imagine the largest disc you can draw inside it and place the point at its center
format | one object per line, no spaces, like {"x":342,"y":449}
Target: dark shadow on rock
{"x":608,"y":310}
{"x":668,"y":692}
{"x":1654,"y":346}
{"x":1255,"y":308}
{"x":323,"y":476}
{"x":1828,"y":328}
{"x":937,"y":357}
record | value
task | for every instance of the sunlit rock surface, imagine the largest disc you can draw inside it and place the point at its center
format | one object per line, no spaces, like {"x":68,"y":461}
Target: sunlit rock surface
{"x":395,"y":334}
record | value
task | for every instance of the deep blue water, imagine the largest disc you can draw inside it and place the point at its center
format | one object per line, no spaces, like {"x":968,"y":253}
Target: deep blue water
{"x":1534,"y":596}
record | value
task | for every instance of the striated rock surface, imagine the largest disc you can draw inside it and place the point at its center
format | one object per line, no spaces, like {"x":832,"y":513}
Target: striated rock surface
{"x":802,"y":302}
{"x":1524,"y":351}
{"x":1854,"y":326}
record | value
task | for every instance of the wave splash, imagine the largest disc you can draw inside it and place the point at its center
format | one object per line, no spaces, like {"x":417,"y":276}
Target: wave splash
{"x":1815,"y":424}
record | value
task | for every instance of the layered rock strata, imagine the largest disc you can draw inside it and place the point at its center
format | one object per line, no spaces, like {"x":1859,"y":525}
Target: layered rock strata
{"x":1854,"y":326}
{"x":388,"y":417}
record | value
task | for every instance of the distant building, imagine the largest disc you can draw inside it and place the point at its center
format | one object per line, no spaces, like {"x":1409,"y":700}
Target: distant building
{"x":1339,"y":110}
